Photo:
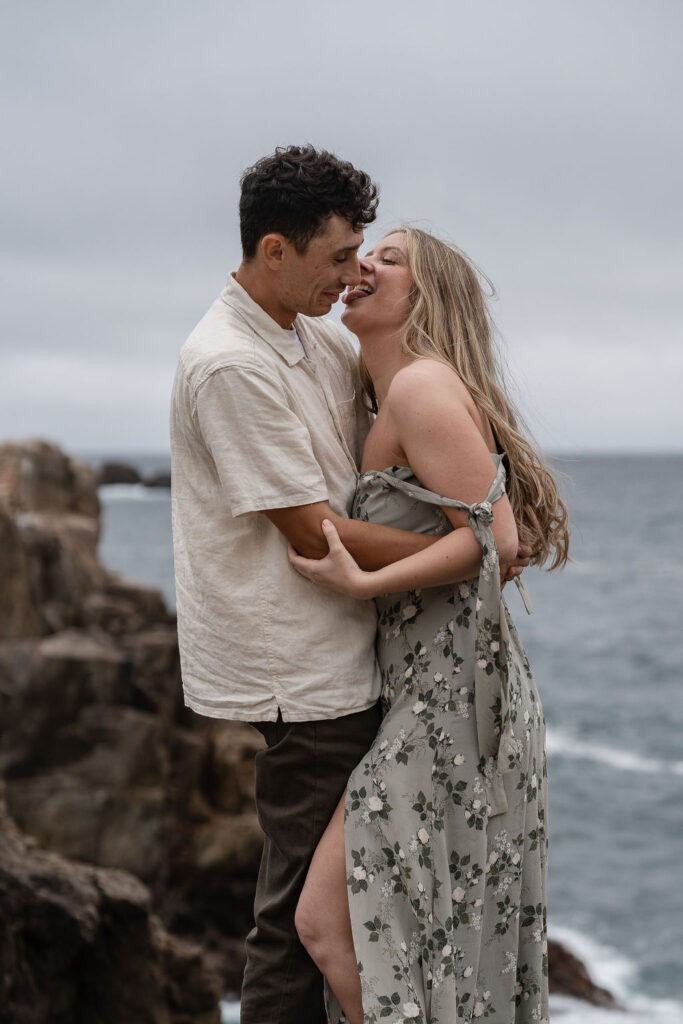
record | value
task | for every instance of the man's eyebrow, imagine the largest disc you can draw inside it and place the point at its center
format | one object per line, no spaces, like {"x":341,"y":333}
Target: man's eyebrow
{"x":350,"y":248}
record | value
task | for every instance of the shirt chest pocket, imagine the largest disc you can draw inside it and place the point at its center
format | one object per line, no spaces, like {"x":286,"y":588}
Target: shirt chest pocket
{"x":346,"y":417}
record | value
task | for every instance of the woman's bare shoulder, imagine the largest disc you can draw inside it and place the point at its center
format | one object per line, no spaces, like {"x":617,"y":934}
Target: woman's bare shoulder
{"x":427,"y":378}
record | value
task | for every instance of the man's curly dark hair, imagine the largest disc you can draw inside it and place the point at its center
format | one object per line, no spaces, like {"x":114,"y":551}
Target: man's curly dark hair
{"x":295,"y":190}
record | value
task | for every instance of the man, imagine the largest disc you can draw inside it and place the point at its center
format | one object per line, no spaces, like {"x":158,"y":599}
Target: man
{"x":267,"y":428}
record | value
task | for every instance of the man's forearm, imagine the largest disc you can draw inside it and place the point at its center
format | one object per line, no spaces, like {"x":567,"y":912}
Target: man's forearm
{"x":374,"y":546}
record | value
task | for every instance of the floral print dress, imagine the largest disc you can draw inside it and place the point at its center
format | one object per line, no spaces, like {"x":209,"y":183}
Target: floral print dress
{"x":445,"y":826}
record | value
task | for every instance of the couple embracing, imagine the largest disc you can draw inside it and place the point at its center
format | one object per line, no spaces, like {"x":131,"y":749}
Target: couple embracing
{"x":342,"y":532}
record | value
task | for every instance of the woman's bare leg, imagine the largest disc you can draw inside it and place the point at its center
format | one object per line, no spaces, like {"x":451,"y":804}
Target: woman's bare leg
{"x":323,"y":921}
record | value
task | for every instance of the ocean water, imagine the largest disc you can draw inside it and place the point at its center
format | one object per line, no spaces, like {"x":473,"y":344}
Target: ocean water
{"x":606,"y":646}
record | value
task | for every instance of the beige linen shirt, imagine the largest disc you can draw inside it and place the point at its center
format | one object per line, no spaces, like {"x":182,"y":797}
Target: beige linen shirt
{"x":257,"y":424}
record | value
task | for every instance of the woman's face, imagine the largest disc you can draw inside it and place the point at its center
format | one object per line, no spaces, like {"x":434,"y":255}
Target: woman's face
{"x":381,"y":300}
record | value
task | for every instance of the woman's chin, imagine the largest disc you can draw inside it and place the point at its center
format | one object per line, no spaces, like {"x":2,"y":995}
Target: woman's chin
{"x":348,"y":317}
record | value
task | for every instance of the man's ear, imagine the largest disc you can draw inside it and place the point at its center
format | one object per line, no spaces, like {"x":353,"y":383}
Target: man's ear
{"x":273,"y":248}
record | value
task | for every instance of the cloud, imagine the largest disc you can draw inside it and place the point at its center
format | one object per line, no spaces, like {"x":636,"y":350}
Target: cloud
{"x":541,"y":138}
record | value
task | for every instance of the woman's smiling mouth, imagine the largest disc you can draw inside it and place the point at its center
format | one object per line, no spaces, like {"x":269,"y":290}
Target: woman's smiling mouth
{"x":359,"y":292}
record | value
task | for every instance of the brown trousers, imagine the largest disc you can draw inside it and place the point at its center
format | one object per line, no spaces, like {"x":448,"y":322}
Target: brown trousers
{"x":300,"y":778}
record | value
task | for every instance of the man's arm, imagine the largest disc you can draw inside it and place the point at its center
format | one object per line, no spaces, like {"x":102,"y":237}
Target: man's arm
{"x":246,"y":425}
{"x":372,"y":546}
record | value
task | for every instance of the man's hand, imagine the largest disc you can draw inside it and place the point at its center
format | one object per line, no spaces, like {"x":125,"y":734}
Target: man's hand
{"x":512,"y":569}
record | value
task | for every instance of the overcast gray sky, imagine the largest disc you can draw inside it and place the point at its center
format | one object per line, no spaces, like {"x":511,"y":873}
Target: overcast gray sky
{"x":542,"y":137}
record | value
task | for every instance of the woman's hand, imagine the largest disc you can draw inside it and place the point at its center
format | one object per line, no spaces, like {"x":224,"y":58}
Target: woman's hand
{"x":513,"y":569}
{"x":336,"y":571}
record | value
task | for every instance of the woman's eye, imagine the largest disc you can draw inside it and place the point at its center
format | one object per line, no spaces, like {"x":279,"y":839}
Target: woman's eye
{"x":385,"y":259}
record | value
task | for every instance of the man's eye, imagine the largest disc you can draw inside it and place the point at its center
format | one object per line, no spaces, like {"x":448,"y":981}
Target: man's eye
{"x":340,"y":259}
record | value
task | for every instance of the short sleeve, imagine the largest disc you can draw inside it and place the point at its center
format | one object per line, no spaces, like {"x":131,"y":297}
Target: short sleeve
{"x":261,"y":449}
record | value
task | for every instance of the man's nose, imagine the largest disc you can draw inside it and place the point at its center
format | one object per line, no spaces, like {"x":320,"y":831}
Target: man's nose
{"x":352,"y":271}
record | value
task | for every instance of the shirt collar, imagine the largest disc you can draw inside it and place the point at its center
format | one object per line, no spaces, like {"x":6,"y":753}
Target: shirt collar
{"x":237,"y":298}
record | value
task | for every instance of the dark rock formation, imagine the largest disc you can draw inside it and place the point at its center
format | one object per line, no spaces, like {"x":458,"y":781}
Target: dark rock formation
{"x":49,"y":528}
{"x":569,"y":977}
{"x":123,"y":473}
{"x":158,"y":480}
{"x":79,"y":943}
{"x":38,"y":477}
{"x":101,"y":760}
{"x":103,"y":764}
{"x":117,"y":473}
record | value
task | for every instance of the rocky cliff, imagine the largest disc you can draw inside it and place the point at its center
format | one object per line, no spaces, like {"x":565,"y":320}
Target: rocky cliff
{"x":80,"y":943}
{"x":129,"y":842}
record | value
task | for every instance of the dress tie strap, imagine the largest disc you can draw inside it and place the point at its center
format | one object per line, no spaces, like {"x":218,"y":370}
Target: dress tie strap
{"x":497,"y":745}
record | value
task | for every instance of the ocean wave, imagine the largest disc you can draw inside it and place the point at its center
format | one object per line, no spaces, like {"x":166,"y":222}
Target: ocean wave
{"x":132,"y":492}
{"x":565,"y":1010}
{"x":610,"y":969}
{"x":566,"y":745}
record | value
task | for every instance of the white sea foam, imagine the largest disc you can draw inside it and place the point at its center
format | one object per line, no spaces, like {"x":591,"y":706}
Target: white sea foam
{"x":566,"y":745}
{"x":230,"y":1011}
{"x":564,"y":1010}
{"x":611,"y":970}
{"x":132,"y":492}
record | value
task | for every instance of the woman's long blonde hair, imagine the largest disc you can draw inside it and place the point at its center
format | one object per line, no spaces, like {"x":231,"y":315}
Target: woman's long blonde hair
{"x":449,"y":321}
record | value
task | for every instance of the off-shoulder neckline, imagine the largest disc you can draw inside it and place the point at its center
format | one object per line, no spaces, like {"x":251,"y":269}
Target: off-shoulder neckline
{"x":378,"y":472}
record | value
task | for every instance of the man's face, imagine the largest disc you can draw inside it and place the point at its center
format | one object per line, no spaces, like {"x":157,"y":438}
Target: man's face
{"x":312,"y":281}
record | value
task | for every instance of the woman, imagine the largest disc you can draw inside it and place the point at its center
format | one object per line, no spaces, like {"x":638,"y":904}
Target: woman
{"x":442,"y":859}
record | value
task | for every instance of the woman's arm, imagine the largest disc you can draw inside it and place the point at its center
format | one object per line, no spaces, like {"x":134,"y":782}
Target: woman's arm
{"x":433,"y":418}
{"x":454,"y":557}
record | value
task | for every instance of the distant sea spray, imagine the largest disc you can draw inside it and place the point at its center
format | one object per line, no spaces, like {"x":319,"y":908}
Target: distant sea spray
{"x":562,"y":744}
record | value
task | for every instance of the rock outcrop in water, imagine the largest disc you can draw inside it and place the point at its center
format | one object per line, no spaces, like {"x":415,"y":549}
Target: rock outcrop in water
{"x":123,"y":473}
{"x":130,"y":810}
